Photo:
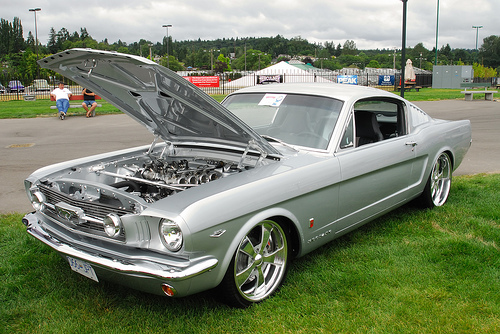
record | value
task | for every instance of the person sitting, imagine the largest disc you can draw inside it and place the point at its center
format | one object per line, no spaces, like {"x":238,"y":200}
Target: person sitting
{"x":62,"y":96}
{"x":89,"y":103}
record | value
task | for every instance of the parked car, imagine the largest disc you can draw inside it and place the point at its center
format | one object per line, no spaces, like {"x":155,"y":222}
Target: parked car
{"x":39,"y":85}
{"x":15,"y":86}
{"x":2,"y":89}
{"x":228,"y":194}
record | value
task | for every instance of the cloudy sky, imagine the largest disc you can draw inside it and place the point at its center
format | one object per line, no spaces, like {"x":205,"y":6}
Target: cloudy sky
{"x":370,"y":23}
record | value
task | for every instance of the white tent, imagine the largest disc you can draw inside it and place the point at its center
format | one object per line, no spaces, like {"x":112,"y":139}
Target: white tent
{"x":280,"y":72}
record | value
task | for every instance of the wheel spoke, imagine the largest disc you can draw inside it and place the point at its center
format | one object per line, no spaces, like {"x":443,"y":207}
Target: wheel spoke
{"x":249,"y":248}
{"x":275,"y":257}
{"x":265,"y":238}
{"x":243,"y":276}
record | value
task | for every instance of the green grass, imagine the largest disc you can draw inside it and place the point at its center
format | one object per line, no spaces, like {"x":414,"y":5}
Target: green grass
{"x":430,"y":94}
{"x":41,"y":108}
{"x":411,"y":271}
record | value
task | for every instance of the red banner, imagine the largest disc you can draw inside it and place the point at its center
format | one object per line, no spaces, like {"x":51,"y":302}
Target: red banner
{"x":211,"y":81}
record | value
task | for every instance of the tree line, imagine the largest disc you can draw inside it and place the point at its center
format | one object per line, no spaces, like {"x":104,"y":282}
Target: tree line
{"x":18,"y":56}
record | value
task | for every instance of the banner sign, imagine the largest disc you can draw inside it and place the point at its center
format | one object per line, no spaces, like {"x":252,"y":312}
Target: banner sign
{"x":347,"y":79}
{"x":386,"y":80}
{"x":261,"y":79}
{"x":202,"y":81}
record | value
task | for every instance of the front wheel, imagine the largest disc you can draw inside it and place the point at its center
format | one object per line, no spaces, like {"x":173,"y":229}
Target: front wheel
{"x":258,"y":266}
{"x":438,"y":185}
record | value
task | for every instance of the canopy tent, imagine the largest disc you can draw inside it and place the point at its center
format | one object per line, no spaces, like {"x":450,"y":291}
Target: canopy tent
{"x":280,"y":72}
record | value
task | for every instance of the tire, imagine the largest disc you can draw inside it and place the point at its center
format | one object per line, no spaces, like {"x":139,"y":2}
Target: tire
{"x":438,"y":185}
{"x":258,"y":267}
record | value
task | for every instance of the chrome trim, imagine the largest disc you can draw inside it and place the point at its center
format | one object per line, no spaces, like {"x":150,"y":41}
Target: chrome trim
{"x":122,"y":266}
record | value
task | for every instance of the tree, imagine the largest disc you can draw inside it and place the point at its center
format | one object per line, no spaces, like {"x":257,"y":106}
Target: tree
{"x":5,"y":37}
{"x":490,"y":51}
{"x":349,"y":48}
{"x":222,"y":64}
{"x":17,"y":36}
{"x":172,"y":62}
{"x":481,"y":71}
{"x":373,"y":64}
{"x":52,"y":43}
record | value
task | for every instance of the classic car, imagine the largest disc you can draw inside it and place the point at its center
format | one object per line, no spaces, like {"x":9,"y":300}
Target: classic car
{"x":15,"y":86}
{"x":39,"y":85}
{"x":228,"y":194}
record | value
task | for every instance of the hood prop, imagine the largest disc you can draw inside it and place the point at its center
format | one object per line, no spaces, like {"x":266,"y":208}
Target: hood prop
{"x":253,"y":144}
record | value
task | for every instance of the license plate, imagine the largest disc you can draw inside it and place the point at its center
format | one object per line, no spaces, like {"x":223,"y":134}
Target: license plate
{"x":82,"y":268}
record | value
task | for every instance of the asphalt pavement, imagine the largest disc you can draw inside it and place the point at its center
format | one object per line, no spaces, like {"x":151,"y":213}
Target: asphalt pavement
{"x":28,"y":144}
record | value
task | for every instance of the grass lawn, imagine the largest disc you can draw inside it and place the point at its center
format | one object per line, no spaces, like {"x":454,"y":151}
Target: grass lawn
{"x":411,"y":271}
{"x":41,"y":108}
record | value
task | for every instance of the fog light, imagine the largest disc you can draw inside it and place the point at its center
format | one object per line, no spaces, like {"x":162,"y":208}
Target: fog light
{"x":168,"y":290}
{"x":112,"y":224}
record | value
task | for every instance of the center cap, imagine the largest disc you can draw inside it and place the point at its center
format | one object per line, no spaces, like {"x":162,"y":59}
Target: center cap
{"x":258,"y":260}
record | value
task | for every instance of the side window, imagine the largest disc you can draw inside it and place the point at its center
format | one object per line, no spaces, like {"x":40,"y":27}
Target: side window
{"x":378,"y":119}
{"x":348,"y":137}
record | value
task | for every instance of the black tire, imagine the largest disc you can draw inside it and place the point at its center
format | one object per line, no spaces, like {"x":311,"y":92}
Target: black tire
{"x":258,"y":267}
{"x":438,"y":185}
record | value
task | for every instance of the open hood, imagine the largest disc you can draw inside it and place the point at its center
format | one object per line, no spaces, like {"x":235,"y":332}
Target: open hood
{"x":167,"y":104}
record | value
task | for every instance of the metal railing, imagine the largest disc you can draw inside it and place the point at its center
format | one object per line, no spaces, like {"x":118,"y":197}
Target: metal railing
{"x":227,"y":85}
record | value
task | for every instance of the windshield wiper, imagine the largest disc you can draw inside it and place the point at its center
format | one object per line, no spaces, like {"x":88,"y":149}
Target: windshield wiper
{"x":269,"y":138}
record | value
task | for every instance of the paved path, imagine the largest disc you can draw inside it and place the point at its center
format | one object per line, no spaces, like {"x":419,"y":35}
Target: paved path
{"x":28,"y":144}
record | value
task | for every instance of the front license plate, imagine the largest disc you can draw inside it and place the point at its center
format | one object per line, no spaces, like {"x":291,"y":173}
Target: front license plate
{"x":82,"y":268}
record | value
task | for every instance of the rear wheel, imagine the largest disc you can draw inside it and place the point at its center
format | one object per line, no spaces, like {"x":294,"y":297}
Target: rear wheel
{"x":258,"y":267}
{"x":438,"y":185}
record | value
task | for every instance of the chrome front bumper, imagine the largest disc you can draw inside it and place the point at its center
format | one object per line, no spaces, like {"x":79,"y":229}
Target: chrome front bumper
{"x":135,"y":269}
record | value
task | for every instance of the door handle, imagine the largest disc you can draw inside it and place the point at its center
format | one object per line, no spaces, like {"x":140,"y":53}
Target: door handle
{"x":411,"y":143}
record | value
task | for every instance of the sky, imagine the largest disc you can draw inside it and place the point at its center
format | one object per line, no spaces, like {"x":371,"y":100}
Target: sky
{"x":371,"y":24}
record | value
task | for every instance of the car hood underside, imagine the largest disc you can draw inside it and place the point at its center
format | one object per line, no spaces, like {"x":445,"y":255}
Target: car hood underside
{"x":167,"y":104}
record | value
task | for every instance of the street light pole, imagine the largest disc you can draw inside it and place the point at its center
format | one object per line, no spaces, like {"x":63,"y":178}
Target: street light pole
{"x":477,"y":32}
{"x":403,"y":50}
{"x":34,"y":10}
{"x":168,"y":57}
{"x":437,"y":29}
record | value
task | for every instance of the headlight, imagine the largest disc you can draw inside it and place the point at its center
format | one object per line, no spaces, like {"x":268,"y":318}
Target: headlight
{"x":112,"y":224}
{"x":171,"y":235}
{"x":37,"y":199}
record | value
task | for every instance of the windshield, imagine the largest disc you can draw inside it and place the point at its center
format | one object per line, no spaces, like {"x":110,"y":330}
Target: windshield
{"x":302,"y":120}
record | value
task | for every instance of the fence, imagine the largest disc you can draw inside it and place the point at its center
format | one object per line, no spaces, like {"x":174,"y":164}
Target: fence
{"x":226,"y":85}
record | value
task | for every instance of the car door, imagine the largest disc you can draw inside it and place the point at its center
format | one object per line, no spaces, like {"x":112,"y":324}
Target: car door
{"x":375,"y":172}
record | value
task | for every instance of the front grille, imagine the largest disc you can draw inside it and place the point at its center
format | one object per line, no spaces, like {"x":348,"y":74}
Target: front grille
{"x":90,"y":209}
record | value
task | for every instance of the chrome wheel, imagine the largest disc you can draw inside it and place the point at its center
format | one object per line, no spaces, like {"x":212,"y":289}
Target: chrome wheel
{"x":259,"y":265}
{"x":440,"y":180}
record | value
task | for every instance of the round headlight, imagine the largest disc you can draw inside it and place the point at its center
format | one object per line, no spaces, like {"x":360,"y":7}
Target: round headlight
{"x":171,"y":235}
{"x":112,"y":224}
{"x":38,"y":200}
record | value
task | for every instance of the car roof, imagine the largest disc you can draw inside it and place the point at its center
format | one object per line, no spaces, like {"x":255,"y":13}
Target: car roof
{"x":343,"y":92}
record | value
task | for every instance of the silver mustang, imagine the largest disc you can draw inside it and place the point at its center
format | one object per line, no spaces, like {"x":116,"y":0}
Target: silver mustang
{"x":227,"y":195}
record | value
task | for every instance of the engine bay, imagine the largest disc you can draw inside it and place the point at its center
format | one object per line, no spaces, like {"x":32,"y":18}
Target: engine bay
{"x":134,"y":180}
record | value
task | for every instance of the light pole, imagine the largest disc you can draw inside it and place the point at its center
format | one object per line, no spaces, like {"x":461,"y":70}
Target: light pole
{"x":403,"y":50}
{"x":34,"y":10}
{"x":437,"y":29}
{"x":168,"y":57}
{"x":477,"y":32}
